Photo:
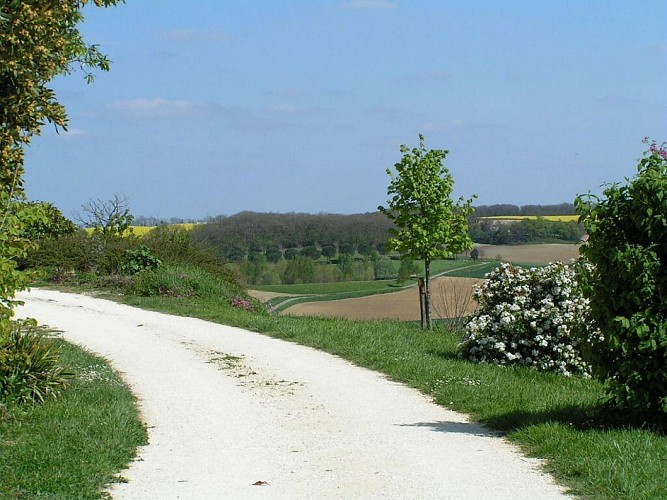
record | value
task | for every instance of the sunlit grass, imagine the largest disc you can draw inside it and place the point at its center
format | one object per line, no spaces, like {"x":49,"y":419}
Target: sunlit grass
{"x":73,"y":446}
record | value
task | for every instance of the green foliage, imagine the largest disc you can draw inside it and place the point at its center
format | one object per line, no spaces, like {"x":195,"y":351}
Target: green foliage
{"x":329,"y":251}
{"x":291,"y":253}
{"x":383,"y":268}
{"x":429,"y":224}
{"x":274,"y":255}
{"x":40,"y":41}
{"x":299,"y":270}
{"x":627,"y":287}
{"x":14,"y":247}
{"x":181,"y":281}
{"x":504,"y":232}
{"x":138,"y":260}
{"x":51,"y":224}
{"x":407,"y":269}
{"x":474,"y":254}
{"x":73,"y":446}
{"x":311,"y":251}
{"x":29,"y":366}
{"x":173,"y":245}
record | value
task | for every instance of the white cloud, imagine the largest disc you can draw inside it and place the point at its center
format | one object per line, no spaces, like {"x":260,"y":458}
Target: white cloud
{"x":368,"y":5}
{"x":71,"y":132}
{"x":160,"y":108}
{"x":283,"y":108}
{"x":190,"y":35}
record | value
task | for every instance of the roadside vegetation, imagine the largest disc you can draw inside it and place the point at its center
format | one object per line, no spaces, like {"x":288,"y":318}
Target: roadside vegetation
{"x":73,"y":445}
{"x":595,"y":450}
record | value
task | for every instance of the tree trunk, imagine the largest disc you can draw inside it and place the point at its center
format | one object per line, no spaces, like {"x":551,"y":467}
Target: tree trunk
{"x":427,"y":293}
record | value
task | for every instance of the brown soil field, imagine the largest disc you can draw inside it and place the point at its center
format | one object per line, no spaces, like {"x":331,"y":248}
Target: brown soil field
{"x":451,"y":297}
{"x":530,"y":254}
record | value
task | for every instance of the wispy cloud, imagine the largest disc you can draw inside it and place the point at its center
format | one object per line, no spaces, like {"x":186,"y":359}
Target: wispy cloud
{"x":368,"y":5}
{"x":191,"y":35}
{"x":283,"y":108}
{"x":159,"y":108}
{"x":71,"y":132}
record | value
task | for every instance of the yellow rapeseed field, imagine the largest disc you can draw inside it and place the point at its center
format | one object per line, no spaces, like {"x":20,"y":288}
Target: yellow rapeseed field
{"x":558,"y":218}
{"x":143,"y":230}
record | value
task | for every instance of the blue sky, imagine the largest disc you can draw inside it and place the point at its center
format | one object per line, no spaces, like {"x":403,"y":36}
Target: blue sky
{"x":214,"y":107}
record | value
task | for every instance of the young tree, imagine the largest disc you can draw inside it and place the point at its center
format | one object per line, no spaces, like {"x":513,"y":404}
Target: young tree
{"x":40,"y":41}
{"x":428,"y":223}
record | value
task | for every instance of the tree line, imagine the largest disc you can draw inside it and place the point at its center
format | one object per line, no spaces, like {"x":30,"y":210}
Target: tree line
{"x":240,"y":236}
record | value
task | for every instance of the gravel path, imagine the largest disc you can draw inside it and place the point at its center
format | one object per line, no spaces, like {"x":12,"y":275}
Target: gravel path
{"x":227,"y":408}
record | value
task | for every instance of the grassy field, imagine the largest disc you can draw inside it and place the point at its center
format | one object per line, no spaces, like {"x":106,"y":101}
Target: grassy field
{"x":390,"y":300}
{"x":73,"y":446}
{"x":590,"y":449}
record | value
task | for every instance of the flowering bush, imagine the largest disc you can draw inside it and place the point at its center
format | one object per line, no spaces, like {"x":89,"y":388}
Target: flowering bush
{"x":533,"y":317}
{"x":242,"y":303}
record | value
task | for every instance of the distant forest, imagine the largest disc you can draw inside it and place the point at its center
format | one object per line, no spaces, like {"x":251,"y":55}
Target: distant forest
{"x":239,"y":237}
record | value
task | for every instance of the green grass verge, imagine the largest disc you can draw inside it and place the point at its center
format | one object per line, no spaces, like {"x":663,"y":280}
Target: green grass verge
{"x":70,"y":448}
{"x":590,"y":450}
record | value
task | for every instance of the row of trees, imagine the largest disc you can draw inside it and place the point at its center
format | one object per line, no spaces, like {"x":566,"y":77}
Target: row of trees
{"x":507,"y":210}
{"x":240,"y":236}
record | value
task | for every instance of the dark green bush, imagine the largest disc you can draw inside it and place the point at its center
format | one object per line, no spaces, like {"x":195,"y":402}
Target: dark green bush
{"x":138,"y":260}
{"x":29,"y":366}
{"x":627,"y":287}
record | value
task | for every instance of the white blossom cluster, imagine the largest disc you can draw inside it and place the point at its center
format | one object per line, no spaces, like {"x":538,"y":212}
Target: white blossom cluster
{"x":534,"y":317}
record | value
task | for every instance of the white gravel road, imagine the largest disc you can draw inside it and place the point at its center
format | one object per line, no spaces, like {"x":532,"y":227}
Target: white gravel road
{"x":227,"y":408}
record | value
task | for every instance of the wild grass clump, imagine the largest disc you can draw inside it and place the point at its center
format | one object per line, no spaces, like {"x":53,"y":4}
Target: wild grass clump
{"x":73,"y":446}
{"x":190,"y":282}
{"x":30,"y":368}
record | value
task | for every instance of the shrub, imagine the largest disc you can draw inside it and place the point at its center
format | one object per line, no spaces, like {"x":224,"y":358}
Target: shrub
{"x":533,"y":317}
{"x":138,"y":260}
{"x":406,"y":270}
{"x":29,"y":366}
{"x":383,"y":268}
{"x":299,"y":270}
{"x":628,"y":285}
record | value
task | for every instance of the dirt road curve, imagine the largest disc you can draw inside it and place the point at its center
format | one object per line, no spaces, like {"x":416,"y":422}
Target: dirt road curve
{"x":226,"y":408}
